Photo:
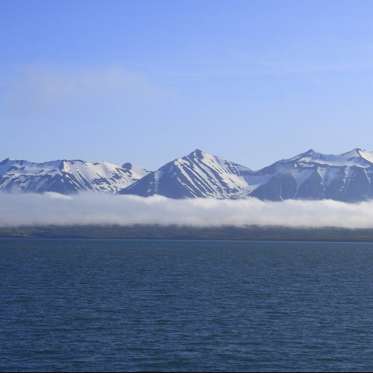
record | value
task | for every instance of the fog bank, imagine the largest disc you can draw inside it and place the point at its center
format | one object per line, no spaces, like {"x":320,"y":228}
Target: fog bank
{"x":94,"y":208}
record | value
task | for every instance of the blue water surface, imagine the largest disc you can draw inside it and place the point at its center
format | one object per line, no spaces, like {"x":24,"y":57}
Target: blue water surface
{"x":111,"y":305}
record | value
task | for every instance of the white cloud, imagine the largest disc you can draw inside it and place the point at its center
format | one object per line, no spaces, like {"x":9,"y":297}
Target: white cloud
{"x":92,"y":208}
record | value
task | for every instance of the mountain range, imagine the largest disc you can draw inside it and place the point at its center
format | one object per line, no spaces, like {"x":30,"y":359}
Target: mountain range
{"x":66,"y":176}
{"x":309,"y":175}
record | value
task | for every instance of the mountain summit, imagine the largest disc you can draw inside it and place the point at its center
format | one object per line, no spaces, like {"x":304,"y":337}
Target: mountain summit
{"x":198,"y":174}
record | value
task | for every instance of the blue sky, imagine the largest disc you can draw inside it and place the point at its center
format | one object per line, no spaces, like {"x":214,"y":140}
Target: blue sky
{"x":147,"y":81}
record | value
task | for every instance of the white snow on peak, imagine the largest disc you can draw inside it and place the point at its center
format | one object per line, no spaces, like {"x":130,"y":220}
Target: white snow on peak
{"x":367,"y":155}
{"x":211,"y":175}
{"x":355,"y":157}
{"x":96,"y":176}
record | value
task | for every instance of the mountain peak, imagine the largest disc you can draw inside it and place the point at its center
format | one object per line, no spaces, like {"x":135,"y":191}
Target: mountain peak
{"x":362,"y":154}
{"x":310,"y":152}
{"x":356,"y":156}
{"x":359,"y":155}
{"x":196,"y":175}
{"x":307,"y":155}
{"x":127,"y":166}
{"x":197,"y":153}
{"x":356,"y":152}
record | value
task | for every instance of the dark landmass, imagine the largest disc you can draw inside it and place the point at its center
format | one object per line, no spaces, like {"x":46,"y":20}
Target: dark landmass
{"x":188,"y":233}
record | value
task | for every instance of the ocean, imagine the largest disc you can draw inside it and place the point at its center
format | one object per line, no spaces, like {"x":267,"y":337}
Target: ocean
{"x":93,"y":305}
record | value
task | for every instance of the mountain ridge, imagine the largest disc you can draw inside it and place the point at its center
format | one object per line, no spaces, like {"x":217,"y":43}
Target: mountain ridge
{"x":65,"y":176}
{"x":309,"y":175}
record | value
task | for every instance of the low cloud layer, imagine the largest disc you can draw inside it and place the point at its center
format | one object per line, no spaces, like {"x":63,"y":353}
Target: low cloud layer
{"x":94,"y":208}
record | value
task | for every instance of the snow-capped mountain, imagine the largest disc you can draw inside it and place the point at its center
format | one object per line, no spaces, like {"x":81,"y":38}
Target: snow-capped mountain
{"x":66,"y":176}
{"x":309,"y":175}
{"x":199,"y":174}
{"x":312,"y":175}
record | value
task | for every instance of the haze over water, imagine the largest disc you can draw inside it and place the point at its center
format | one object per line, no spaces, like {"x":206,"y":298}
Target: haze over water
{"x":78,"y":305}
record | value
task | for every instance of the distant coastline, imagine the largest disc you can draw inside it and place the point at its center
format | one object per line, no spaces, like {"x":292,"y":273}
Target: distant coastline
{"x":249,"y":233}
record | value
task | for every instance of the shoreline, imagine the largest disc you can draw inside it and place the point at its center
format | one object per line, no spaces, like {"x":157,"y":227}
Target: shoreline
{"x":188,"y":233}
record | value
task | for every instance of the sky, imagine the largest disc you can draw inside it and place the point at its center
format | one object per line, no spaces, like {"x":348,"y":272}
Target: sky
{"x":147,"y":81}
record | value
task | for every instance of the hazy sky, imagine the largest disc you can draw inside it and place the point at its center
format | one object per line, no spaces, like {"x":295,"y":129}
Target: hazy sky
{"x":146,"y":81}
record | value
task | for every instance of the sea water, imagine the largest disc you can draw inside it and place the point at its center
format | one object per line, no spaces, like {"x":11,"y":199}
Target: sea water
{"x":75,"y":305}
